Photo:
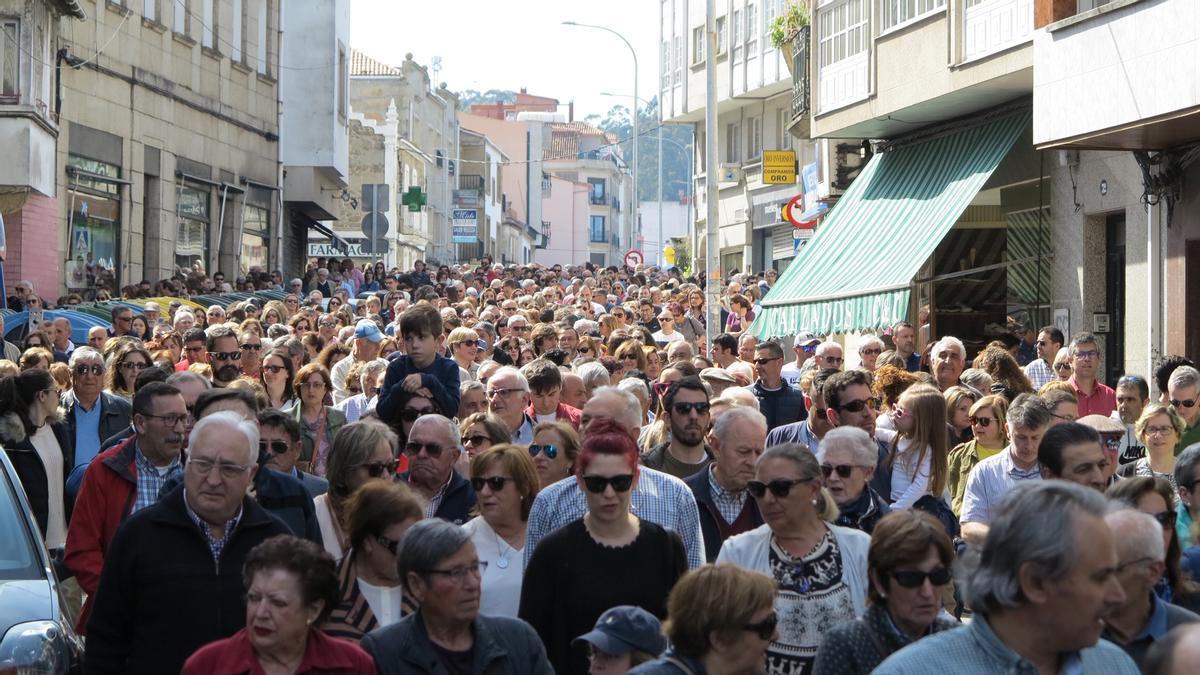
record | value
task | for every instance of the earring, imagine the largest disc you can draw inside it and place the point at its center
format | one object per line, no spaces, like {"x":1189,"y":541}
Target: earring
{"x":814,"y":502}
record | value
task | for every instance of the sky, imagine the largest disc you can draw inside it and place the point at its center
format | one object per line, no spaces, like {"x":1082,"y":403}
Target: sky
{"x":509,"y":44}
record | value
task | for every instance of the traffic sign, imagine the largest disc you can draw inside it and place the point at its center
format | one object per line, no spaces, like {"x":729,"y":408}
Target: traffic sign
{"x":374,"y":224}
{"x":634,"y":257}
{"x":779,"y":167}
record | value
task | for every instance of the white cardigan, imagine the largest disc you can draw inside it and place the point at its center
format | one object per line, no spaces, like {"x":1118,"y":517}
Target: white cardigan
{"x":751,"y":550}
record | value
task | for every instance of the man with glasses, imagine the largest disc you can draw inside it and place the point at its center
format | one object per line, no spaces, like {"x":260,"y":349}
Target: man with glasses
{"x":1040,"y":371}
{"x":1143,"y":618}
{"x":432,"y":449}
{"x":122,"y":321}
{"x":145,"y":617}
{"x":1111,"y":433}
{"x":686,"y":407}
{"x":195,"y":348}
{"x":519,"y":326}
{"x":829,"y":354}
{"x":778,"y":401}
{"x":737,"y":439}
{"x":123,"y":479}
{"x":225,"y":355}
{"x":1183,"y":392}
{"x":1095,"y":397}
{"x":252,"y":353}
{"x":92,"y":415}
{"x":279,"y":442}
{"x":507,"y":395}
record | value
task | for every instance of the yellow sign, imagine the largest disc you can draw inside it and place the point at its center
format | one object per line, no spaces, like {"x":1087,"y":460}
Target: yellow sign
{"x":779,"y":167}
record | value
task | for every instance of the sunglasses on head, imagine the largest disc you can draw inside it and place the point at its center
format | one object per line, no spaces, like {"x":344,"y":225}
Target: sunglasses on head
{"x":939,"y":576}
{"x":377,"y":469}
{"x":984,"y":422}
{"x":598,"y":484}
{"x":495,"y":483}
{"x":764,"y":629}
{"x":780,"y":487}
{"x":550,"y":450}
{"x":843,"y":470}
{"x":857,"y":405}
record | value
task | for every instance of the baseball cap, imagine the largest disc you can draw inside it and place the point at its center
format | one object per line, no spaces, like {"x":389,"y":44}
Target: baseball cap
{"x":625,"y":628}
{"x":367,"y":329}
{"x":804,"y":338}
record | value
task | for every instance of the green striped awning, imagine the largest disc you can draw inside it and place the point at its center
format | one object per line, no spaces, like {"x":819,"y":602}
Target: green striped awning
{"x":856,"y":272}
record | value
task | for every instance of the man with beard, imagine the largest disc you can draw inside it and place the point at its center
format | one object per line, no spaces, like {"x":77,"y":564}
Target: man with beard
{"x":685,"y":405}
{"x":432,"y":448}
{"x":225,"y":355}
{"x":251,"y":346}
{"x":123,"y":480}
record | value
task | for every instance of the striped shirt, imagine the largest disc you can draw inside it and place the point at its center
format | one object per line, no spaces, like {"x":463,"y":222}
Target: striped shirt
{"x":151,"y":479}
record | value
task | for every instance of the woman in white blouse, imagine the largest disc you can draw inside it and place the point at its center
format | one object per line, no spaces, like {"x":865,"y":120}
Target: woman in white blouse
{"x":505,"y":481}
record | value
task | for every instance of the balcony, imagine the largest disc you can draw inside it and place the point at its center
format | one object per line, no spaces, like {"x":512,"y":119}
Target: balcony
{"x":469,"y":191}
{"x":801,"y":96}
{"x":596,"y":199}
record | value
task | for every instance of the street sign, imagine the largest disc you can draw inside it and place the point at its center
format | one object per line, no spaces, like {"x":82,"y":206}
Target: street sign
{"x":465,"y":224}
{"x":634,"y":257}
{"x":779,"y":167}
{"x":35,"y":319}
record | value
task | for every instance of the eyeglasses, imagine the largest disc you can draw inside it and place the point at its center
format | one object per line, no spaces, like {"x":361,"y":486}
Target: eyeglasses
{"x":274,"y":370}
{"x":1159,"y":431}
{"x":683,"y":408}
{"x":477,"y":439}
{"x":843,"y":470}
{"x":495,"y":483}
{"x":133,"y":365}
{"x":171,"y":420}
{"x":1062,"y":366}
{"x":938,"y":576}
{"x":1165,"y":518}
{"x":780,"y":487}
{"x":313,"y":384}
{"x":414,"y":448}
{"x":550,"y":450}
{"x":250,"y":347}
{"x":984,"y":422}
{"x":1087,"y":355}
{"x":1188,"y":403}
{"x":377,"y":469}
{"x":871,"y":352}
{"x":84,"y":370}
{"x":410,"y":415}
{"x":228,"y":470}
{"x":459,"y":574}
{"x":585,"y":350}
{"x":492,"y":393}
{"x":392,"y":545}
{"x":1064,"y":418}
{"x":276,"y":447}
{"x":765,"y":361}
{"x":764,"y":629}
{"x":598,"y":484}
{"x":858,"y":404}
{"x":225,"y":356}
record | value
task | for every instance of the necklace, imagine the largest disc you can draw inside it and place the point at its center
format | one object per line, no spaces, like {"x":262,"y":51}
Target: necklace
{"x":502,"y":556}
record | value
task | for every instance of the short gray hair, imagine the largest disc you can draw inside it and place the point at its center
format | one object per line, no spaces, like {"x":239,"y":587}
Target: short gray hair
{"x":631,"y":411}
{"x":636,"y":387}
{"x":187,"y":376}
{"x":1034,"y":524}
{"x":725,"y":422}
{"x":510,"y":371}
{"x":870,"y":341}
{"x":1136,"y":532}
{"x":826,"y":346}
{"x":1028,"y":411}
{"x":1186,"y":464}
{"x":372,"y":370}
{"x":85,"y":354}
{"x":949,"y":341}
{"x":594,"y":375}
{"x":862,"y":447}
{"x":426,"y":544}
{"x":470,"y":385}
{"x":1184,"y":376}
{"x":229,"y":419}
{"x":442,"y":421}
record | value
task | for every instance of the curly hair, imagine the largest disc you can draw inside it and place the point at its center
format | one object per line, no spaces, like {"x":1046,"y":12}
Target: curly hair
{"x":315,"y":570}
{"x":891,"y":381}
{"x":997,"y":362}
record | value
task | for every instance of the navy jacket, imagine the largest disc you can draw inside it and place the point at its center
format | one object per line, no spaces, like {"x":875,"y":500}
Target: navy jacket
{"x":503,"y":646}
{"x":702,"y":491}
{"x":781,"y":406}
{"x":441,"y":378}
{"x":456,"y":503}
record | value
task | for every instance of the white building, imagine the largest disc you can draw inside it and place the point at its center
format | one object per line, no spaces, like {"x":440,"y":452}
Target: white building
{"x":676,"y":222}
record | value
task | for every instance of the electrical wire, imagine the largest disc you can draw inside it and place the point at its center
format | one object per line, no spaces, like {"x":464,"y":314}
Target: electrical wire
{"x":91,"y":58}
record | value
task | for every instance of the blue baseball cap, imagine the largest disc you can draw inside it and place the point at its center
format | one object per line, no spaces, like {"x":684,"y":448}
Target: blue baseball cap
{"x":624,"y":629}
{"x":368,"y":329}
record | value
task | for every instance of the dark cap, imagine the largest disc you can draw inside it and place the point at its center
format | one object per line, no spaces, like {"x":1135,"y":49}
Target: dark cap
{"x":626,"y":628}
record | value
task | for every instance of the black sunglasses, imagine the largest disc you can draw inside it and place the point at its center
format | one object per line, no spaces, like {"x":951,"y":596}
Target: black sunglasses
{"x":780,"y":487}
{"x":496,"y":483}
{"x":1185,"y":404}
{"x":392,"y":545}
{"x":1165,"y":518}
{"x":93,"y":369}
{"x":377,"y":469}
{"x":683,"y":408}
{"x":843,"y":470}
{"x":939,"y":576}
{"x":598,"y":484}
{"x":984,"y":422}
{"x":550,"y":450}
{"x":414,"y":448}
{"x":410,"y":415}
{"x":225,"y":356}
{"x":277,"y":447}
{"x":857,"y":405}
{"x":764,"y":629}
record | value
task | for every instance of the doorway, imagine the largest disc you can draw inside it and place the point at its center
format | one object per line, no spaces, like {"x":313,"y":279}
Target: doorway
{"x":1192,"y":318}
{"x":1114,"y":292}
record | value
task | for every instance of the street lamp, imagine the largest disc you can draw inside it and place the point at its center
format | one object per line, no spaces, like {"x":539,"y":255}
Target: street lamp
{"x":636,"y":126}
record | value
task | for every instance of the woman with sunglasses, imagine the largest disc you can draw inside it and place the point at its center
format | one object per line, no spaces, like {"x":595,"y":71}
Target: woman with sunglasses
{"x":1154,"y":495}
{"x":362,"y":452}
{"x":988,"y":417}
{"x":378,"y":515}
{"x":276,"y":374}
{"x":480,"y":431}
{"x":1062,"y":364}
{"x":505,"y":483}
{"x":319,"y":423}
{"x":583,"y":568}
{"x":128,"y":362}
{"x":820,"y":568}
{"x":586,"y":349}
{"x":1159,"y":428}
{"x":909,"y":567}
{"x":849,"y":458}
{"x":554,"y":450}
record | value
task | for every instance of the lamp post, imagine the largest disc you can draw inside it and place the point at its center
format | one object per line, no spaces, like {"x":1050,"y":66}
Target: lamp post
{"x":636,"y":126}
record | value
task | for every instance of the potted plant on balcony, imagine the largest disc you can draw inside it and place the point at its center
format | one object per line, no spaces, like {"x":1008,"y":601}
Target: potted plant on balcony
{"x":786,"y":26}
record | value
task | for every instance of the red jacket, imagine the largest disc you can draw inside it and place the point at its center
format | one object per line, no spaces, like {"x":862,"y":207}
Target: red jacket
{"x":322,"y":654}
{"x":105,"y":499}
{"x":565,"y":413}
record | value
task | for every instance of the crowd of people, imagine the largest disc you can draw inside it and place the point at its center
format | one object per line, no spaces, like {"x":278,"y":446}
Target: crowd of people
{"x":527,"y":469}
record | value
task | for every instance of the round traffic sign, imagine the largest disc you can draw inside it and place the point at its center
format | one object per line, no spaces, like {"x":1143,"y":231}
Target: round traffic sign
{"x":634,"y":257}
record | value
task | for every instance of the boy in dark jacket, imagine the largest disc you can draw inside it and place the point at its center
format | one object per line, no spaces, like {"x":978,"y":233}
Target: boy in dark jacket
{"x":422,"y":369}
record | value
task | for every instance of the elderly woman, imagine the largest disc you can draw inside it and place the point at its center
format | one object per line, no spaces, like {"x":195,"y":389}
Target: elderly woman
{"x":821,"y":568}
{"x":361,"y":452}
{"x":480,"y":431}
{"x":127,"y":363}
{"x":1153,"y":495}
{"x":722,"y":620}
{"x":584,"y":567}
{"x":319,"y":423}
{"x":441,"y":571}
{"x":505,"y":483}
{"x":848,"y":457}
{"x":868,"y":352}
{"x":377,"y":517}
{"x":290,"y":588}
{"x":909,"y":565}
{"x":554,"y":449}
{"x":988,"y":418}
{"x":472,"y":398}
{"x":1062,"y":364}
{"x":1159,"y":429}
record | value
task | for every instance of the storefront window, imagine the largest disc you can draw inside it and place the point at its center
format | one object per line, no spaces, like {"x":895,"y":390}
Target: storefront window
{"x":191,"y":241}
{"x":254,"y":240}
{"x":94,"y":228}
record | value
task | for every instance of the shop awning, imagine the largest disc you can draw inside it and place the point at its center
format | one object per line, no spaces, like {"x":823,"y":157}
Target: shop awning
{"x":856,"y":272}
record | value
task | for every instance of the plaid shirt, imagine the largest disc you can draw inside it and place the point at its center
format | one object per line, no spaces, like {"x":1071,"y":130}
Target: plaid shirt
{"x":729,"y":504}
{"x":435,"y":501}
{"x":1039,"y":373}
{"x":659,"y":498}
{"x":150,"y":481}
{"x":215,"y":545}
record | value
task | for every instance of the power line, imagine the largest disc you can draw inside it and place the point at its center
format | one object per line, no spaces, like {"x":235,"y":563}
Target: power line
{"x":91,"y":58}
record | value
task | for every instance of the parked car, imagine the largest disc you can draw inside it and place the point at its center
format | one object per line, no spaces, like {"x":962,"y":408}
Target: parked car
{"x":37,"y":632}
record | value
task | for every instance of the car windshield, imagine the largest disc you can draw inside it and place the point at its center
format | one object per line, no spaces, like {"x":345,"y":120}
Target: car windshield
{"x":17,"y":557}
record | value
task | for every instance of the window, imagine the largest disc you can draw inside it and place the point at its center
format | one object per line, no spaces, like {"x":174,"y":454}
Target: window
{"x":751,"y":30}
{"x":784,"y":141}
{"x":697,"y":44}
{"x":255,"y":235}
{"x":343,"y":82}
{"x":94,"y":226}
{"x":843,"y":32}
{"x":678,"y":59}
{"x":735,"y":36}
{"x":150,"y":9}
{"x":754,"y":138}
{"x":665,"y":65}
{"x":721,"y":43}
{"x":238,"y":48}
{"x":843,"y":41}
{"x":597,"y":195}
{"x":179,"y":23}
{"x":596,"y":230}
{"x":10,"y":53}
{"x":733,"y":142}
{"x":264,"y":37}
{"x":892,"y":13}
{"x":208,"y":26}
{"x":191,"y":240}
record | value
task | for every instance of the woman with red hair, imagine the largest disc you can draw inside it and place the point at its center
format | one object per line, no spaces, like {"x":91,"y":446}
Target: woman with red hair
{"x":607,"y":558}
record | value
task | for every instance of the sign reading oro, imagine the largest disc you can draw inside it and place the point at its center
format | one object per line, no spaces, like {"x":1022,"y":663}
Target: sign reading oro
{"x":779,"y":167}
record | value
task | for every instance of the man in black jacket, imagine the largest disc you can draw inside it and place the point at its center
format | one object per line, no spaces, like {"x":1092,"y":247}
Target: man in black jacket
{"x":779,"y":402}
{"x":432,"y":448}
{"x":738,"y":437}
{"x":172,"y":580}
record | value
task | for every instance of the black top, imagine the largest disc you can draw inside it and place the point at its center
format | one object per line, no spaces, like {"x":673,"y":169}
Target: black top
{"x":578,"y":579}
{"x":455,"y":663}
